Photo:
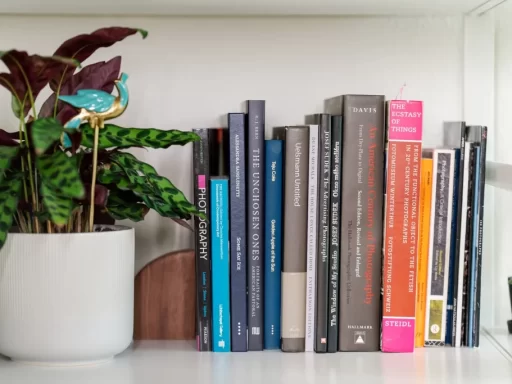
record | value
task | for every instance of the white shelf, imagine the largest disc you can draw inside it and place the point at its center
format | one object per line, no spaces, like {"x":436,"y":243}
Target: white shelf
{"x":177,"y":362}
{"x":240,"y":7}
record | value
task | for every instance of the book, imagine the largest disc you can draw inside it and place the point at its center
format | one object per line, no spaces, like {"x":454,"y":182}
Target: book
{"x":323,"y":241}
{"x":404,"y":135}
{"x":361,"y":222}
{"x":454,"y":136}
{"x":273,"y":242}
{"x":479,"y":133}
{"x":220,"y":264}
{"x":439,"y":247}
{"x":238,"y":242}
{"x":255,"y":220}
{"x":334,"y":250}
{"x":423,"y":245}
{"x":312,"y":238}
{"x":453,"y":248}
{"x":293,"y":282}
{"x":201,"y":164}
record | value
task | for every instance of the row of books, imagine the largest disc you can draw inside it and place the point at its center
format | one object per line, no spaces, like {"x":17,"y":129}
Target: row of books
{"x":451,"y":235}
{"x":312,"y":238}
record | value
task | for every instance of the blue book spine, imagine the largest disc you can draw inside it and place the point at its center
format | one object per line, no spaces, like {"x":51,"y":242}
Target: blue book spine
{"x":220,"y":264}
{"x":237,"y":212}
{"x":273,"y":242}
{"x":453,"y":250}
{"x":474,"y":247}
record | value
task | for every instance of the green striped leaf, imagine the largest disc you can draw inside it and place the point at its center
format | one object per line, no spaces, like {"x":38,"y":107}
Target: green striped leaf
{"x":59,"y":207}
{"x":10,"y":190}
{"x":60,"y":172}
{"x":45,"y":132}
{"x":113,"y":136}
{"x":6,"y":156}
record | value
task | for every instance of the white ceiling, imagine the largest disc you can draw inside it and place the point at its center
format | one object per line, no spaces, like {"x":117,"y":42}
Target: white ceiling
{"x":240,"y":7}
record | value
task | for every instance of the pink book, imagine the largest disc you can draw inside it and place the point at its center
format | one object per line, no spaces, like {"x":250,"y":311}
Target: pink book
{"x":403,"y":162}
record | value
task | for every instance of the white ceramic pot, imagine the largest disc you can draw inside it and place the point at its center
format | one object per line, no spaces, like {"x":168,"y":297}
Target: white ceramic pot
{"x":67,"y":299}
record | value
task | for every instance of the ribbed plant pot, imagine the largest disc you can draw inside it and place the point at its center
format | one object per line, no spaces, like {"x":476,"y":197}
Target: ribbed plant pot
{"x":67,"y":299}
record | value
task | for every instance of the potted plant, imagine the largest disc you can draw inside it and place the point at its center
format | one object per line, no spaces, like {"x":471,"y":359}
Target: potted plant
{"x":66,"y":282}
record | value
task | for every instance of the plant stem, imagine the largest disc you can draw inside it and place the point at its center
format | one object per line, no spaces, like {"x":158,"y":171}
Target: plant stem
{"x":96,"y":128}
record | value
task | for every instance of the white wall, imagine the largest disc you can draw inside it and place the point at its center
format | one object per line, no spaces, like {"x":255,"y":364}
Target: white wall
{"x":191,"y":71}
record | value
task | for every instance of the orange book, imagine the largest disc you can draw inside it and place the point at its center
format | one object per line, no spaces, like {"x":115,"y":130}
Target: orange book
{"x":405,"y":123}
{"x":423,"y":243}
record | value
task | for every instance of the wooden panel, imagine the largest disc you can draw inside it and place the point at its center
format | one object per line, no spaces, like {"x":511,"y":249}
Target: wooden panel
{"x":165,"y":298}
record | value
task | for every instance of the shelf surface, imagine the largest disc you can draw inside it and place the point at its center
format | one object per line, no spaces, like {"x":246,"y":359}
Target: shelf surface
{"x":240,"y":7}
{"x":159,"y":362}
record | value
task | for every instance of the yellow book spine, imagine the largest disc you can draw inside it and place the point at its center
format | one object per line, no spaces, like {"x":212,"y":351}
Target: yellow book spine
{"x":423,"y":243}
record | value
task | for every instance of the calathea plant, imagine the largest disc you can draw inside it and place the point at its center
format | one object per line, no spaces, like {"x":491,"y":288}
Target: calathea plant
{"x":65,"y":162}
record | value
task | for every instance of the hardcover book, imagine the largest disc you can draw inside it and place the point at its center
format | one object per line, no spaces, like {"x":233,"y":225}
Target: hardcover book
{"x":255,"y":222}
{"x":324,"y":196}
{"x":361,"y":222}
{"x":335,"y":211}
{"x":312,"y":238}
{"x":273,"y":242}
{"x":439,"y":253}
{"x":404,"y":134}
{"x":220,"y":264}
{"x":238,"y":248}
{"x":293,"y":307}
{"x":423,"y":245}
{"x":201,"y":164}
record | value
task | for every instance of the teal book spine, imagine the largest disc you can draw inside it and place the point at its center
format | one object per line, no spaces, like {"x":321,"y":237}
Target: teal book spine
{"x":220,"y":264}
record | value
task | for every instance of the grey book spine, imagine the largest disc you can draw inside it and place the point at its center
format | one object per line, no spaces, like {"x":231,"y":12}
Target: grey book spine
{"x":361,"y":222}
{"x":336,"y":132}
{"x":293,"y":307}
{"x":324,"y":198}
{"x":255,"y":220}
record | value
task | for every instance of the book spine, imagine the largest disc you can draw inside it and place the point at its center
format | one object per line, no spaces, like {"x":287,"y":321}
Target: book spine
{"x":322,"y":264}
{"x":474,"y":250}
{"x":332,"y":333}
{"x":439,"y":257}
{"x":458,"y":290}
{"x":361,"y":222}
{"x":220,"y":265}
{"x":312,"y":238}
{"x":273,"y":242}
{"x":255,"y":211}
{"x":423,"y":246}
{"x":453,"y":249}
{"x":461,"y":222}
{"x":293,"y":308}
{"x":483,"y":159}
{"x":468,"y":243}
{"x":201,"y":161}
{"x":236,"y":126}
{"x":405,"y":124}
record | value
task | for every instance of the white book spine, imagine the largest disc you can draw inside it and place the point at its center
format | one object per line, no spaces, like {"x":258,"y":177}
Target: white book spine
{"x":312,"y":233}
{"x":439,"y":247}
{"x":462,"y":244}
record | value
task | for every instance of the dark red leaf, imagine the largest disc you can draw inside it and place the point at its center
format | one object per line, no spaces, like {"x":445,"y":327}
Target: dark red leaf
{"x":81,"y":47}
{"x":100,"y":194}
{"x":30,"y":72}
{"x":95,"y":76}
{"x":183,"y":223}
{"x":7,"y":139}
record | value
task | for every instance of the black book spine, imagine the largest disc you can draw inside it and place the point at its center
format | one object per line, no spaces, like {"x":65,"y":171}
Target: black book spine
{"x":467,"y":247}
{"x":460,"y":192}
{"x":332,"y":339}
{"x":481,"y":197}
{"x":238,"y":209}
{"x":201,"y":161}
{"x":324,"y":206}
{"x":255,"y":219}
